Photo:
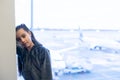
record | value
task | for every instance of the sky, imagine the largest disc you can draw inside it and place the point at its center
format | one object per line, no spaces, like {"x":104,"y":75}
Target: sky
{"x":70,"y":14}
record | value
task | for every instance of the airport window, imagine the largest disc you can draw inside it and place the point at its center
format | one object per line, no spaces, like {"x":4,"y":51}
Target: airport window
{"x":82,"y":36}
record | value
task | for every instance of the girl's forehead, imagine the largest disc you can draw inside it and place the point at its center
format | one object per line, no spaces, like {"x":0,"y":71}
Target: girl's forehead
{"x":20,"y":32}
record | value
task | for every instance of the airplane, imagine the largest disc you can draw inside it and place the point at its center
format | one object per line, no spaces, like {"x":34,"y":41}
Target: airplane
{"x":102,"y":44}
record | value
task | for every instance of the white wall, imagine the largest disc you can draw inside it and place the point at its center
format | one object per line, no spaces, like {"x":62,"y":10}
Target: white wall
{"x":7,"y":41}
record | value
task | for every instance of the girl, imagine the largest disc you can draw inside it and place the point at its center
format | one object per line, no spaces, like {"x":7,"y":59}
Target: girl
{"x":33,"y":58}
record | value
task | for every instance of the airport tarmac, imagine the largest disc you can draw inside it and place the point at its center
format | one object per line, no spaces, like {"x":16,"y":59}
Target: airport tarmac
{"x":105,"y":66}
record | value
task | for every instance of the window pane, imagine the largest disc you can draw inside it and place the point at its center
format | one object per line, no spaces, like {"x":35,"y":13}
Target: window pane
{"x":23,"y":12}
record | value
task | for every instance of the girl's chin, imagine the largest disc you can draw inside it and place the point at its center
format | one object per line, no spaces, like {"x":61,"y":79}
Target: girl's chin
{"x":27,"y":46}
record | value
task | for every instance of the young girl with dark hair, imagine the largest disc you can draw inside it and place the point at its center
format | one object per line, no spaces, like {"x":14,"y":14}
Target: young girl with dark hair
{"x":34,"y":61}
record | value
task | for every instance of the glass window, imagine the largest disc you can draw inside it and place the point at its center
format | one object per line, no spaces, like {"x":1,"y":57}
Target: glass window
{"x":82,"y":35}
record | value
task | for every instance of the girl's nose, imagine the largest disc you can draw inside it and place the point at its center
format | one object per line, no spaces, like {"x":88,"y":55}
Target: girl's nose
{"x":22,"y":40}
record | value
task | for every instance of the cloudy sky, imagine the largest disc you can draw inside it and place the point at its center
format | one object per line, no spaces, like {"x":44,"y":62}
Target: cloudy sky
{"x":86,"y":14}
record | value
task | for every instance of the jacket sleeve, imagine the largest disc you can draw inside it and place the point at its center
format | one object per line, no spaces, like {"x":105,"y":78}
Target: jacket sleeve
{"x":46,"y":70}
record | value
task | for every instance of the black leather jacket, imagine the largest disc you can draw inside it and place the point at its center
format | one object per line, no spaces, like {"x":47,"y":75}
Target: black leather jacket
{"x":34,"y":64}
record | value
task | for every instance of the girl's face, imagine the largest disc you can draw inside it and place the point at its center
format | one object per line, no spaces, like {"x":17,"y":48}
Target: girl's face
{"x":24,"y":38}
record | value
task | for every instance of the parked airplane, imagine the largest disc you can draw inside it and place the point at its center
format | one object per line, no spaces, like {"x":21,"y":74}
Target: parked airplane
{"x":102,"y":44}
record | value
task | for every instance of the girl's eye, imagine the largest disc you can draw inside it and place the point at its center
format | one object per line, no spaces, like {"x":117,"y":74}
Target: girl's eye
{"x":23,"y":36}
